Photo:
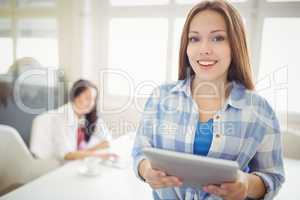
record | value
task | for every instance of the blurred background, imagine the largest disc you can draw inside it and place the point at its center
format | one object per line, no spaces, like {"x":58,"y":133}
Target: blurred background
{"x":128,"y":47}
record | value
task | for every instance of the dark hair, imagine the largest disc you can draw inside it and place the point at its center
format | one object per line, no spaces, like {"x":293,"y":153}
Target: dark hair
{"x":5,"y":92}
{"x":240,"y":68}
{"x":91,"y":117}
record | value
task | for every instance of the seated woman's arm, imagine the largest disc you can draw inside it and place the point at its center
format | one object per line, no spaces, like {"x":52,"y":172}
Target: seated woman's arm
{"x":101,"y":138}
{"x":101,"y":145}
{"x":77,"y":155}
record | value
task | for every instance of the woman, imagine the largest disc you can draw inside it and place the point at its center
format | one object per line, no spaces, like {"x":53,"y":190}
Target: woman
{"x":73,"y":131}
{"x":212,"y":111}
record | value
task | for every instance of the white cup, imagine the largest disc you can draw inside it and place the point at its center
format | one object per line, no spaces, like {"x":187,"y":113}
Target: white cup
{"x":92,"y":165}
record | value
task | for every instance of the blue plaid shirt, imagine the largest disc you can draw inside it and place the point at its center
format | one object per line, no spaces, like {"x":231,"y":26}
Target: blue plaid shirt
{"x":245,"y":130}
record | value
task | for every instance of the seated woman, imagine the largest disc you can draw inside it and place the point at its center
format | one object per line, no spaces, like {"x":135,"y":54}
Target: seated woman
{"x":74,"y":130}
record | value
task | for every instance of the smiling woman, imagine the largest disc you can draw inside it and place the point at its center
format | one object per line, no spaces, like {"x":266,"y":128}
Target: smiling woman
{"x":232,"y":37}
{"x":208,"y":48}
{"x":216,"y":112}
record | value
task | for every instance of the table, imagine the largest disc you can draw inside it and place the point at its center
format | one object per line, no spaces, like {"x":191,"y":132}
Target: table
{"x":67,"y":183}
{"x":290,"y":189}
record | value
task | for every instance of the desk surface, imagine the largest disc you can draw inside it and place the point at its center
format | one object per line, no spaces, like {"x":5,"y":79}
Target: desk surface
{"x":67,"y":183}
{"x":290,"y":189}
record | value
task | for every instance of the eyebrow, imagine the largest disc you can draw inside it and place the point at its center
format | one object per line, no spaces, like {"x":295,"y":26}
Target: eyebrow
{"x":219,"y":30}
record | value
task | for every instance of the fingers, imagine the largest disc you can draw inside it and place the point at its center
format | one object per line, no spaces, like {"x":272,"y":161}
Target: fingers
{"x":105,"y":144}
{"x":234,"y":190}
{"x":158,"y":179}
{"x":165,"y":182}
{"x":113,"y":156}
{"x":216,"y":190}
{"x":151,"y":175}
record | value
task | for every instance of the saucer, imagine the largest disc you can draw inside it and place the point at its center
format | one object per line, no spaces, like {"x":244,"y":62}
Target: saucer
{"x":84,"y":171}
{"x":119,"y":164}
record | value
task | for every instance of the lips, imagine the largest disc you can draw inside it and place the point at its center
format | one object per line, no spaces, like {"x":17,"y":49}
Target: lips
{"x":207,"y":63}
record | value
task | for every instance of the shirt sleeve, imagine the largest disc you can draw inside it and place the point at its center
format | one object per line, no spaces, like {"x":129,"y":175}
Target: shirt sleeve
{"x":62,"y":140}
{"x":267,"y":163}
{"x":40,"y":139}
{"x":101,"y":133}
{"x":145,"y":131}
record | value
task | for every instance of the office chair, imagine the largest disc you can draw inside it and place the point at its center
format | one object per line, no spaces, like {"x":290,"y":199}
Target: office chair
{"x":17,"y":165}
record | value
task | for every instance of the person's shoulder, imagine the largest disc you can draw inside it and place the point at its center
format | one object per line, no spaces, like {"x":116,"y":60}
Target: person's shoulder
{"x":247,"y":98}
{"x":167,"y":88}
{"x":161,"y":92}
{"x":172,"y":84}
{"x":63,"y":108}
{"x":251,"y":101}
{"x":58,"y":113}
{"x":262,"y":113}
{"x":100,"y":120}
{"x":258,"y":103}
{"x":44,"y":119}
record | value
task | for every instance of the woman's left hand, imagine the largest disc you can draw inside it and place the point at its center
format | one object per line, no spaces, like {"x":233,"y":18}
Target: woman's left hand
{"x":107,"y":156}
{"x":237,"y":190}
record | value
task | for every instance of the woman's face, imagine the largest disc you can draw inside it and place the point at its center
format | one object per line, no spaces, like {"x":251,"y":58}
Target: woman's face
{"x":85,"y":102}
{"x":208,"y":46}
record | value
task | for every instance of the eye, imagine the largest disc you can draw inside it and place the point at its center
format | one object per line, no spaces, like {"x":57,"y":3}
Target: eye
{"x":218,"y":38}
{"x":193,"y":39}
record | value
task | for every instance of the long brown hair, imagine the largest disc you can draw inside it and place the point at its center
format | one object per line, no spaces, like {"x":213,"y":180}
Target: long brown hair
{"x":91,"y":117}
{"x":240,"y":68}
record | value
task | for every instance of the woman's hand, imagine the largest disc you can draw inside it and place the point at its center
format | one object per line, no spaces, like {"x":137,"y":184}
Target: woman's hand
{"x":102,"y":145}
{"x":155,"y":178}
{"x":107,"y":156}
{"x":237,"y":190}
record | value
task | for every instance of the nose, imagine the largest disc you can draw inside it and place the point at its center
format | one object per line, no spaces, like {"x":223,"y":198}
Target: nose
{"x":205,"y":48}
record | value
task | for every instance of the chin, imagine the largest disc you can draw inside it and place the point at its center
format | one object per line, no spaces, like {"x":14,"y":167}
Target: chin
{"x":84,"y":112}
{"x":87,"y":112}
{"x":207,"y":77}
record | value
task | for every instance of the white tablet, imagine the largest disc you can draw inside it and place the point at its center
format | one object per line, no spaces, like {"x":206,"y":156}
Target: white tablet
{"x":194,"y":170}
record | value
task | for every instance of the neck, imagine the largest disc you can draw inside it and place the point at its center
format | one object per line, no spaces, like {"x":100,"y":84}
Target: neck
{"x":216,"y":89}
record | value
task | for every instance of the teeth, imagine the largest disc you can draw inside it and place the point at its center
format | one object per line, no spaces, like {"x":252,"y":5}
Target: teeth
{"x":206,"y":62}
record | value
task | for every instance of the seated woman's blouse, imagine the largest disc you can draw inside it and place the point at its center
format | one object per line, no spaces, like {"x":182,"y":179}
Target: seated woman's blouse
{"x":244,"y":130}
{"x":55,"y":133}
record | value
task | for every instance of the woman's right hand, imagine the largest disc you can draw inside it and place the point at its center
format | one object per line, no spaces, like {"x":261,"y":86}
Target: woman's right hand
{"x":107,"y":156}
{"x":156,"y":178}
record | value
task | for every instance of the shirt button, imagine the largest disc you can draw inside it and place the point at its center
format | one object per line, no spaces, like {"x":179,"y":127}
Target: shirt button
{"x":218,"y":135}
